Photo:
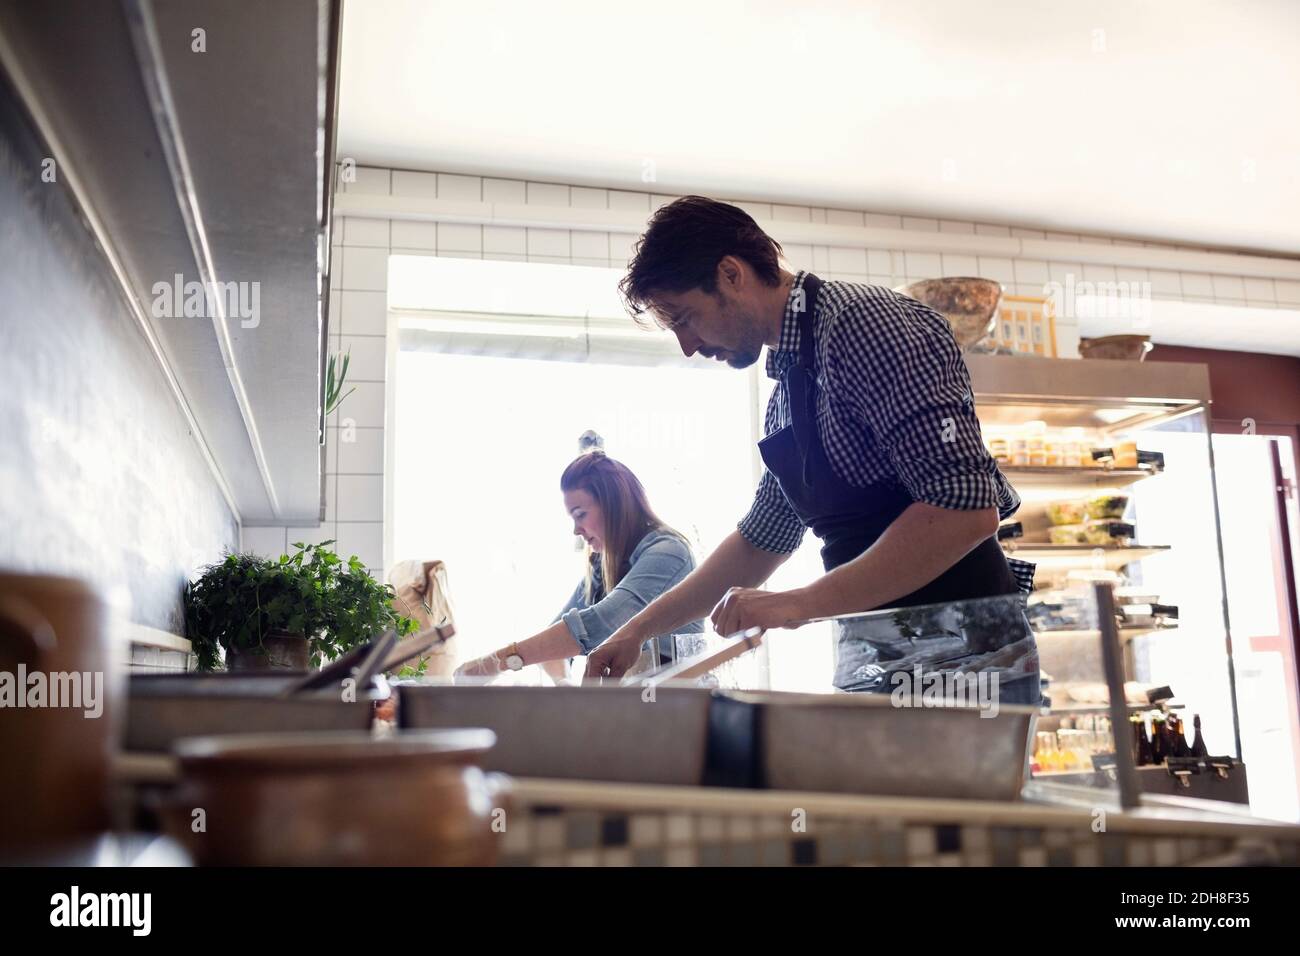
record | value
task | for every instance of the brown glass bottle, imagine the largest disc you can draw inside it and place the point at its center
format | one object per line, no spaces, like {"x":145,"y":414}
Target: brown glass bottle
{"x":1198,"y":748}
{"x":1177,"y":738}
{"x":1142,"y":755}
{"x":1159,"y":739}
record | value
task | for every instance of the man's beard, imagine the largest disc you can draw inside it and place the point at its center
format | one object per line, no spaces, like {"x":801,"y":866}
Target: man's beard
{"x":742,"y":359}
{"x":746,"y":353}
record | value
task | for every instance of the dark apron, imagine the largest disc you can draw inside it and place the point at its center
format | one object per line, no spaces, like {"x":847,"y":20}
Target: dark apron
{"x":848,"y":519}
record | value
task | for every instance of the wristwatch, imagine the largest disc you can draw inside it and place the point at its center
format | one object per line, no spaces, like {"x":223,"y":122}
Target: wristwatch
{"x":513,"y":660}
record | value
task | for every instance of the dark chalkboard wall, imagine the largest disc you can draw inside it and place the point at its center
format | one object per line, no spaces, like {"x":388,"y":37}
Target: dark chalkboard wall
{"x":99,"y":475}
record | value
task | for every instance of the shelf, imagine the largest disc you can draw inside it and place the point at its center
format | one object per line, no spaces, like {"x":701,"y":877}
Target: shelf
{"x":142,"y":636}
{"x":1105,"y":708}
{"x":1024,"y":476}
{"x":1110,"y":396}
{"x":1125,"y":633}
{"x":1111,"y":558}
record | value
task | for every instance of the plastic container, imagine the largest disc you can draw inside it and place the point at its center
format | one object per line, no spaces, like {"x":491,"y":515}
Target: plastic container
{"x":1067,"y":512}
{"x":1126,"y":454}
{"x":1107,"y":505}
{"x":1092,"y":532}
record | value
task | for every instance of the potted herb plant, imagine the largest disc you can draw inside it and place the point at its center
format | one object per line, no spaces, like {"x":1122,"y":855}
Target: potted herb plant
{"x":298,"y":610}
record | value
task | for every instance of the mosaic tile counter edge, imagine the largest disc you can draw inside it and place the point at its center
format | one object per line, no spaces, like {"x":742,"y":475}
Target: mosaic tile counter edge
{"x":568,"y":823}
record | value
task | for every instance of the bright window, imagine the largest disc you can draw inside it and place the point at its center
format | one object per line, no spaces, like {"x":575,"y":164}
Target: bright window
{"x":481,"y":443}
{"x":502,"y":367}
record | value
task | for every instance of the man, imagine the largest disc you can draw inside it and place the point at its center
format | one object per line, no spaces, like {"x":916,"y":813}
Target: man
{"x":871,"y":441}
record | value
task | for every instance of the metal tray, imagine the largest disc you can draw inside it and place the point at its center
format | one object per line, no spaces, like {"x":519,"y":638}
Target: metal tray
{"x":624,"y":734}
{"x":862,"y":743}
{"x":162,"y":708}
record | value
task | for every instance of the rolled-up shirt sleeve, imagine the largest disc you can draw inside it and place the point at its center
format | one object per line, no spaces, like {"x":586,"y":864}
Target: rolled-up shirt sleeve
{"x":902,"y":373}
{"x":659,"y":567}
{"x":771,"y":524}
{"x":576,"y":599}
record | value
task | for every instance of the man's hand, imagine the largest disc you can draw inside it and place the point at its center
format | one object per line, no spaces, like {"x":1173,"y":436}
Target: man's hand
{"x":743,"y":608}
{"x":615,"y":657}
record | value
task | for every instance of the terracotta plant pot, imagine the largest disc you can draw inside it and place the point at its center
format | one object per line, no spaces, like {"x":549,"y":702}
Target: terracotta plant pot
{"x":283,"y":651}
{"x":416,"y":798}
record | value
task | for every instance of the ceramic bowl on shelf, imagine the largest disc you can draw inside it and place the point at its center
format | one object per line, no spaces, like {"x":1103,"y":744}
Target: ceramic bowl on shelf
{"x":969,"y":304}
{"x":1132,"y":348}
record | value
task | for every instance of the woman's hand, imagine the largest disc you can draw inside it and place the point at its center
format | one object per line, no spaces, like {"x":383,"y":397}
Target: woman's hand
{"x":489,"y":665}
{"x":615,"y":657}
{"x":743,"y":608}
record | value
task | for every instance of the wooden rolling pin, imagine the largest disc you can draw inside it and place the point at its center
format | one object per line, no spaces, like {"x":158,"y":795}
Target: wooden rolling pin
{"x":697,"y":665}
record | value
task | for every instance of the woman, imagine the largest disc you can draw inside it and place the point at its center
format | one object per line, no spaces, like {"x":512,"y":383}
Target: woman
{"x":632,"y":558}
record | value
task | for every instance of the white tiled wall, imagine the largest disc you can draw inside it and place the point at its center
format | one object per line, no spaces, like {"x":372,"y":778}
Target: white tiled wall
{"x":358,"y":314}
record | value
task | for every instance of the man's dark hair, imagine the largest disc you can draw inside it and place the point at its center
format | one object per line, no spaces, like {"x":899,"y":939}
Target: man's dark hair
{"x":683,"y":244}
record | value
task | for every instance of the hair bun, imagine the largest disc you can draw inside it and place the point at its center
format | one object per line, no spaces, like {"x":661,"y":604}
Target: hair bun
{"x":591,"y":442}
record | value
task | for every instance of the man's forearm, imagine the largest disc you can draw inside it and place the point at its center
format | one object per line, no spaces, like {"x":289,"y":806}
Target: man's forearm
{"x":922,"y":543}
{"x":734,"y":563}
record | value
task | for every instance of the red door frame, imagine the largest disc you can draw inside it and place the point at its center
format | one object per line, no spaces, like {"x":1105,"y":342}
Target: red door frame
{"x":1289,"y":616}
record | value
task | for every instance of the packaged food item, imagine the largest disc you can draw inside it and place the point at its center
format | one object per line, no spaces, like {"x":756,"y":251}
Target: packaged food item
{"x":1038,"y":459}
{"x":1019,"y":452}
{"x":1135,"y":595}
{"x":1084,"y":579}
{"x":1067,"y":512}
{"x":1000,"y":449}
{"x":1107,"y":504}
{"x":1100,"y":533}
{"x":1148,"y":615}
{"x":1126,"y":454}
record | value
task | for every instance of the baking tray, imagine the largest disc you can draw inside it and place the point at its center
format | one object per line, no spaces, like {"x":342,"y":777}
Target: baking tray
{"x":162,"y":708}
{"x":625,"y":734}
{"x":864,"y":744}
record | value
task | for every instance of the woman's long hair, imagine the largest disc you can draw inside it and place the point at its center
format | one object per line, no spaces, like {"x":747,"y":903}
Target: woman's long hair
{"x":626,"y":509}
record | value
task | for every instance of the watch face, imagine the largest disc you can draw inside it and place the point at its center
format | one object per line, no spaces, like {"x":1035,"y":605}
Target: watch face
{"x":515,"y":662}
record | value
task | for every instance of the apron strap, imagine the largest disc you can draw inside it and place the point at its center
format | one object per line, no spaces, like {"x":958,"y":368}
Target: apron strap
{"x":807,"y":320}
{"x":802,"y":399}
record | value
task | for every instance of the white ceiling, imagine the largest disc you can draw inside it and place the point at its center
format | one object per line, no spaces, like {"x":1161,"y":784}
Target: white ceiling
{"x":1181,"y":125}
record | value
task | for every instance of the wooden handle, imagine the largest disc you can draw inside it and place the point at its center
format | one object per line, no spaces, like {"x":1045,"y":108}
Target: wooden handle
{"x":700,"y":664}
{"x":414,"y":646}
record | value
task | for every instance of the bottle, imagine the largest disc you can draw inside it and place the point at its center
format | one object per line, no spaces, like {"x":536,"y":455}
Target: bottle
{"x":1198,"y":748}
{"x":1159,"y":739}
{"x":1178,"y":740}
{"x":1141,"y":742}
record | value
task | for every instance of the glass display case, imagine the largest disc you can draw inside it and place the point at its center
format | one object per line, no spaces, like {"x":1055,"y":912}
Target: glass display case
{"x":1114,"y":466}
